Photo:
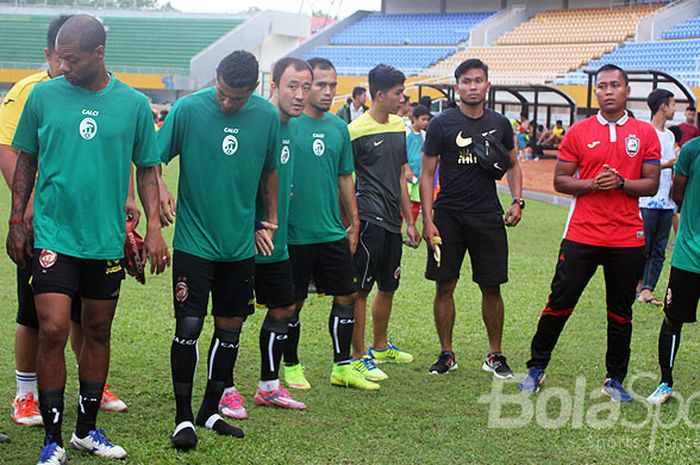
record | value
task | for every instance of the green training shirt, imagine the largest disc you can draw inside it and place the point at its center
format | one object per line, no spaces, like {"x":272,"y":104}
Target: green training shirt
{"x":85,"y":142}
{"x":222,"y":157}
{"x":686,"y":252}
{"x":285,"y":170}
{"x":324,"y":154}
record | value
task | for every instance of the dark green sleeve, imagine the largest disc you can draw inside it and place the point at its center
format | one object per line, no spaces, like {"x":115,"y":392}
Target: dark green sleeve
{"x":145,"y":151}
{"x":27,"y":134}
{"x":346,"y":164}
{"x":169,"y":135}
{"x":274,"y":143}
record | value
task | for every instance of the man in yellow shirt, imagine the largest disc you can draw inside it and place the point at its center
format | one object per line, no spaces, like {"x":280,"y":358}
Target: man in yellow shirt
{"x":26,"y":404}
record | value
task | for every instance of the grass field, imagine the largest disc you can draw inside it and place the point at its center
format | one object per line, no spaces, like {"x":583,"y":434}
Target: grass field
{"x":415,"y":418}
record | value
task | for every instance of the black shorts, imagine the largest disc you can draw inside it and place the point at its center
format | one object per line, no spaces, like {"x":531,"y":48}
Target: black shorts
{"x":682,"y":296}
{"x":230,"y":283}
{"x":274,"y":286}
{"x":483,"y":235}
{"x":26,"y":310}
{"x":76,"y":277}
{"x":330,"y":264}
{"x":378,"y":258}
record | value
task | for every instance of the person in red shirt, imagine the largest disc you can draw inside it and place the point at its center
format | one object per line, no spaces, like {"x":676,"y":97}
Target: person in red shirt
{"x":689,"y":128}
{"x":606,"y":162}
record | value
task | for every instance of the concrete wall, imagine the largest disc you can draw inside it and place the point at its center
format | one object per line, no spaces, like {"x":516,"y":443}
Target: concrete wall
{"x":652,"y":26}
{"x":269,"y":35}
{"x":412,"y":6}
{"x":507,"y":20}
{"x":433,"y":6}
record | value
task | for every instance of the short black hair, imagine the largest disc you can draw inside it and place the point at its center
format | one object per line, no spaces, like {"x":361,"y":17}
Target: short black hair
{"x":320,"y":63}
{"x":677,"y":134}
{"x":420,"y":110}
{"x":383,"y":78}
{"x":471,"y":63}
{"x":163,"y":114}
{"x":282,"y":65}
{"x":658,"y":97}
{"x":239,"y":70}
{"x":87,"y":30}
{"x":54,"y":27}
{"x":559,"y":122}
{"x":426,"y":101}
{"x":611,"y":67}
{"x":691,"y":108}
{"x":357,"y":91}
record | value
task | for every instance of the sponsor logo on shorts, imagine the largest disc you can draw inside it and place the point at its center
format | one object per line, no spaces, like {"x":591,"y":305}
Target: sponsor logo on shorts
{"x":632,"y":145}
{"x":281,"y":337}
{"x":88,"y":128}
{"x":397,"y":272}
{"x":113,"y":266}
{"x":319,"y":147}
{"x":115,"y":293}
{"x":346,"y":321}
{"x":669,"y":296}
{"x":48,"y":258}
{"x":229,"y":145}
{"x":228,"y":345}
{"x":182,"y":290}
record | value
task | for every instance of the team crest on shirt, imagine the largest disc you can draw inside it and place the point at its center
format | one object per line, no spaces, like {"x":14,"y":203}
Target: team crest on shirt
{"x":229,"y":145}
{"x":48,"y":258}
{"x":182,"y":290}
{"x":284,"y":155}
{"x":88,"y":128}
{"x":632,"y":145}
{"x":319,"y":147}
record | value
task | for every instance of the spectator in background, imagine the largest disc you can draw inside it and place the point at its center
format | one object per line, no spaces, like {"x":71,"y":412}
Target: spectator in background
{"x":161,"y":118}
{"x":415,"y":136}
{"x":427,"y":102}
{"x":554,"y":137}
{"x":658,"y":210}
{"x":689,"y":129}
{"x":350,"y":111}
{"x":678,"y":136}
{"x":406,"y":110}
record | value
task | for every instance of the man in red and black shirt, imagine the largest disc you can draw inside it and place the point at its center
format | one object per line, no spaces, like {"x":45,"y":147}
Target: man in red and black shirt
{"x":606,"y":162}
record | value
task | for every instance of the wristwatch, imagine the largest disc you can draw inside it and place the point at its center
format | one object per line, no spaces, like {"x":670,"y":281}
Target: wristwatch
{"x":622,"y":181}
{"x":520,"y":202}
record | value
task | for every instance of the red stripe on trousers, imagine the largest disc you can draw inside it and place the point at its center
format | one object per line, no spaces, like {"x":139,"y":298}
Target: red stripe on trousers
{"x":619,"y":319}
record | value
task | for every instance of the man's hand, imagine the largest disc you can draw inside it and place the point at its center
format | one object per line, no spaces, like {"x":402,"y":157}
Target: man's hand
{"x":132,"y":210}
{"x":429,"y":232}
{"x":607,"y":180}
{"x":263,"y":239}
{"x":167,"y":204}
{"x":18,"y":244}
{"x":156,"y":250}
{"x":353,"y":234}
{"x":413,"y":236}
{"x":513,"y":215}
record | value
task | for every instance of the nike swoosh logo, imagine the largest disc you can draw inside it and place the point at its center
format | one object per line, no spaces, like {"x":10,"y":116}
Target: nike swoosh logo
{"x":497,"y":166}
{"x":378,"y":143}
{"x":593,"y":144}
{"x":462,"y":141}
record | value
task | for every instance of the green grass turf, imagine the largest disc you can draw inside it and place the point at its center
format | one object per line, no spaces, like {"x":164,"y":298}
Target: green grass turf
{"x":415,"y":418}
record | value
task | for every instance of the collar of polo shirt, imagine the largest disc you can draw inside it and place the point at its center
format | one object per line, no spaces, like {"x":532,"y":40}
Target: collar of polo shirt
{"x":612,"y":124}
